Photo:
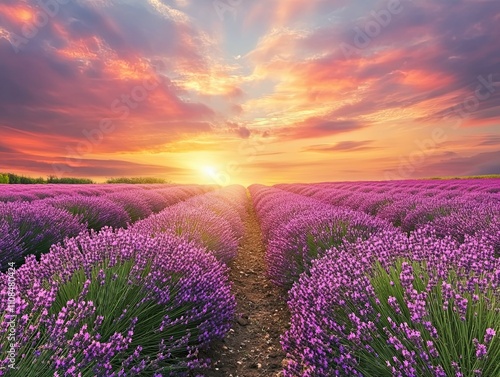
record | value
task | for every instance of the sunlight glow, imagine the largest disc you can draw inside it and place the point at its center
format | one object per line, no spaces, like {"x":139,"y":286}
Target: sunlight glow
{"x":210,"y":170}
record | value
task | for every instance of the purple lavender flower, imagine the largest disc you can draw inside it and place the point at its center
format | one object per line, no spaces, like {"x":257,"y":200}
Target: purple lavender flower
{"x":136,"y":206}
{"x":173,"y":296}
{"x":203,"y":220}
{"x":490,"y":334}
{"x":345,"y":308}
{"x":97,"y":212}
{"x":31,"y":228}
{"x":294,"y":245}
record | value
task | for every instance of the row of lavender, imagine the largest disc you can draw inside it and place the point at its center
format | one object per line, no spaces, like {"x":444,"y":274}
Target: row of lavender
{"x":372,"y":300}
{"x":31,"y":227}
{"x":491,"y":186}
{"x":141,"y":301}
{"x":454,"y":208}
{"x":29,"y":193}
{"x":298,"y":230}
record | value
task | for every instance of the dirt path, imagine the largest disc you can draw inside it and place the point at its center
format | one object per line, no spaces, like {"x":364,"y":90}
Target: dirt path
{"x":252,"y":347}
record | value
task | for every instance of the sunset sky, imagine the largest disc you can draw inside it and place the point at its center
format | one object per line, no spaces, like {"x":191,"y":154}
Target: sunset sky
{"x":244,"y":91}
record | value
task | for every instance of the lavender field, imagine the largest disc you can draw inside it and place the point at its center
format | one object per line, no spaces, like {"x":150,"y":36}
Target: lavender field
{"x":389,"y":278}
{"x":241,"y":188}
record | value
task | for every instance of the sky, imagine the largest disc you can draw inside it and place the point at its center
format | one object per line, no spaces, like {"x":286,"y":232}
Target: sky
{"x":246,"y":91}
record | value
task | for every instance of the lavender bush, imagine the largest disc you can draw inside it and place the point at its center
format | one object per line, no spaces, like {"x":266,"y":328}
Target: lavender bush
{"x":275,"y":207}
{"x":204,"y":220}
{"x":398,"y":306}
{"x":136,"y":206}
{"x":307,"y":236}
{"x":196,"y":224}
{"x":230,"y":203}
{"x":156,"y":201}
{"x":97,"y":212}
{"x":31,"y":228}
{"x":116,"y":303}
{"x":472,"y":218}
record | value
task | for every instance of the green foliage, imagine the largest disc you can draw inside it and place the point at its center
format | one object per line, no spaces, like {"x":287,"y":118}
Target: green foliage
{"x":326,"y":237}
{"x":455,"y":340}
{"x":4,"y":178}
{"x":69,"y":180}
{"x":23,"y":180}
{"x":119,"y":301}
{"x":137,"y":180}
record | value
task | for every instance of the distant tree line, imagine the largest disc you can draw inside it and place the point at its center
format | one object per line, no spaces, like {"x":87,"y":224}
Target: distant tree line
{"x":70,"y":180}
{"x":10,"y":178}
{"x":137,"y":180}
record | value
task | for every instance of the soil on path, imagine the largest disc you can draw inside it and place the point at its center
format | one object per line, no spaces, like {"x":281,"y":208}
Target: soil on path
{"x":252,"y":346}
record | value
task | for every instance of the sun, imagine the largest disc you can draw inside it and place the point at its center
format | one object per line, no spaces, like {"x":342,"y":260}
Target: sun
{"x":210,"y":171}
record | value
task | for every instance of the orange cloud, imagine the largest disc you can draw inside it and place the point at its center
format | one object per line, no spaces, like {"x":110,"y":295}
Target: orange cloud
{"x":20,"y":14}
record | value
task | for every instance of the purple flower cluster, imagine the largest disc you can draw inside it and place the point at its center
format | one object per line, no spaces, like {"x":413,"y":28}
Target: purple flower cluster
{"x":213,"y":220}
{"x":54,"y":212}
{"x":472,"y":218}
{"x":299,"y":230}
{"x":275,"y":207}
{"x":96,"y":211}
{"x":31,"y":228}
{"x":230,"y":203}
{"x":136,"y":206}
{"x":157,"y":202}
{"x":116,"y":303}
{"x":431,"y":308}
{"x":295,"y":244}
{"x":140,"y":301}
{"x":10,"y":193}
{"x":423,"y":301}
{"x":455,"y":207}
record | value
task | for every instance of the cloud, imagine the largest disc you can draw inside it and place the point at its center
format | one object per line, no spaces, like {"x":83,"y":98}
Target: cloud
{"x":87,"y":167}
{"x":269,"y":154}
{"x":90,"y":64}
{"x":243,"y":132}
{"x":319,"y":127}
{"x":343,"y":146}
{"x":477,"y":164}
{"x":422,"y":67}
{"x":6,"y":149}
{"x":275,"y":13}
{"x":490,"y":140}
